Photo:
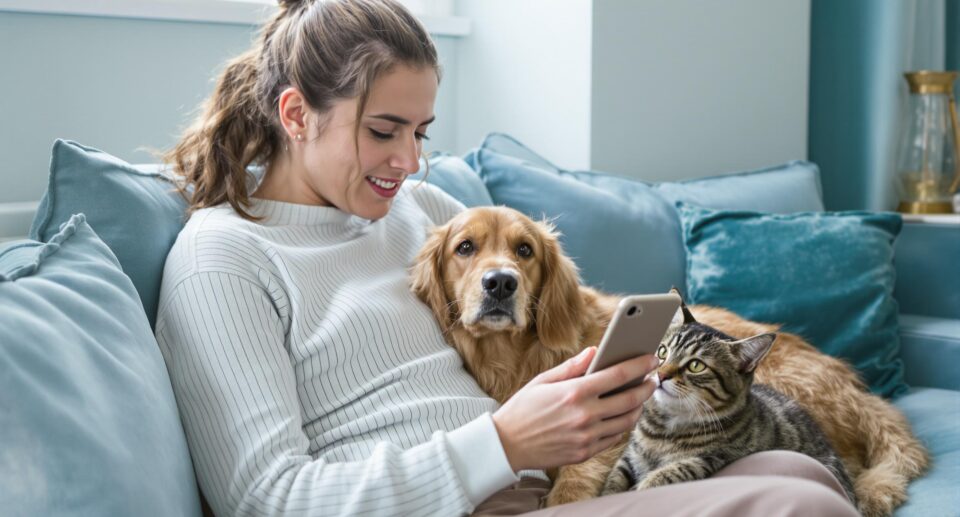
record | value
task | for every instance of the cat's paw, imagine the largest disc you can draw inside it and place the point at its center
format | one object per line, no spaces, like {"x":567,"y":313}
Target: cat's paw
{"x":654,"y":480}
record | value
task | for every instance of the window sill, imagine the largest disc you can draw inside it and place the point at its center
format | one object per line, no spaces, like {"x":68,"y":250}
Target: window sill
{"x":948,"y":219}
{"x":235,"y":12}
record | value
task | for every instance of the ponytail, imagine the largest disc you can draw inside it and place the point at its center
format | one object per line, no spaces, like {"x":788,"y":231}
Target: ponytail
{"x":329,"y":50}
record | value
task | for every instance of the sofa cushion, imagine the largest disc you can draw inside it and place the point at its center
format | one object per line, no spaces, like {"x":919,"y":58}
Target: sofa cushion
{"x":89,"y":424}
{"x":927,"y":280}
{"x":934,"y":415}
{"x":137,"y":214}
{"x":930,"y":348}
{"x":828,"y":277}
{"x":623,"y":233}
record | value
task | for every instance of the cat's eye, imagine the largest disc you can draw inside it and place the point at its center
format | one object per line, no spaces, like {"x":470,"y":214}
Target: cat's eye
{"x":696,"y":366}
{"x":662,"y":352}
{"x":465,"y":248}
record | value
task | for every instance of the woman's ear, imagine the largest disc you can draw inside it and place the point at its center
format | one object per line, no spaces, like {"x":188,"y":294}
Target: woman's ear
{"x":292,"y":109}
{"x":427,"y":277}
{"x":560,"y":307}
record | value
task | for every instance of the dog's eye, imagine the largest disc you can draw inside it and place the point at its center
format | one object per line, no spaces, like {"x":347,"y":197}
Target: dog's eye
{"x":465,"y":248}
{"x":524,"y":250}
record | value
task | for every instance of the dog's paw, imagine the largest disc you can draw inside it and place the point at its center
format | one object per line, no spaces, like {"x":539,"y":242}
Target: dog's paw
{"x":566,"y":495}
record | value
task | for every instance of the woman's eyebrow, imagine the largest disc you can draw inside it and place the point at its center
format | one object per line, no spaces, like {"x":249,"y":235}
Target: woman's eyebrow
{"x":400,"y":120}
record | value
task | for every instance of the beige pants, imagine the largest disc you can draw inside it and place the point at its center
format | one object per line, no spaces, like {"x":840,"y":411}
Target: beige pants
{"x":767,"y":484}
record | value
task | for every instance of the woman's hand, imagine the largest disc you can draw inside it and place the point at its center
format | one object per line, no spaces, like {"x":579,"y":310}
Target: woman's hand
{"x":558,"y":418}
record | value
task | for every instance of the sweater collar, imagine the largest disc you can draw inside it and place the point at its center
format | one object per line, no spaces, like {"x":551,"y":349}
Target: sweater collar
{"x":281,"y":213}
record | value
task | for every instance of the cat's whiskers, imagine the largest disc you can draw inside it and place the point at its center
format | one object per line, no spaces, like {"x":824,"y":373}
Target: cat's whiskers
{"x":707,"y":418}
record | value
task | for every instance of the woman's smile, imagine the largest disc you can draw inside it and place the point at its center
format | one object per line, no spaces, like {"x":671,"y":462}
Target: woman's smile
{"x":383,"y":186}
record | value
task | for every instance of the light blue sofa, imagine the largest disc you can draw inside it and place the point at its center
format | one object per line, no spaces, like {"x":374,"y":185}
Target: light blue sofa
{"x":135,"y":212}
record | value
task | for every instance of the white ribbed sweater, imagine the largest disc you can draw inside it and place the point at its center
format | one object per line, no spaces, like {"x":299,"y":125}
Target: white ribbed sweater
{"x":310,"y":380}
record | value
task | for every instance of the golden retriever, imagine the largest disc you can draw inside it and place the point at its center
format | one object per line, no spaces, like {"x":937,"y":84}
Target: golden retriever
{"x":511,"y":303}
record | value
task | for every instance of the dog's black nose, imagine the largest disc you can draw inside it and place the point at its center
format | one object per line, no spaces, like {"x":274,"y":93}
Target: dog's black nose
{"x":499,"y":284}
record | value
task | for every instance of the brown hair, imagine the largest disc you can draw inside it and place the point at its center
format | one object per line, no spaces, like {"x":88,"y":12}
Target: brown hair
{"x":327,"y":49}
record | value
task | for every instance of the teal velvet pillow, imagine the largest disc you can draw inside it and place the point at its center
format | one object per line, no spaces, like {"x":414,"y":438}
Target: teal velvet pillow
{"x":88,"y":425}
{"x":623,"y":233}
{"x":136,"y":213}
{"x":828,"y":277}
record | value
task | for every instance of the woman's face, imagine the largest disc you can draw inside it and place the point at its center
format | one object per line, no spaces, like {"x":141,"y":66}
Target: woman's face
{"x":391,"y":132}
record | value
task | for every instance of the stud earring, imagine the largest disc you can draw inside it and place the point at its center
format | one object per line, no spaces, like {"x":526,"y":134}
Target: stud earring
{"x":299,"y":136}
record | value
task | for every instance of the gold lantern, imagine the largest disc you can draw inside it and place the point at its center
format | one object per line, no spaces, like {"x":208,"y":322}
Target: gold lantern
{"x":928,"y":164}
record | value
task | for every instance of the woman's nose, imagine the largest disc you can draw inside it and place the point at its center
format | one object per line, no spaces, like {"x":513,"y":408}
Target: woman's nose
{"x":407,"y":157}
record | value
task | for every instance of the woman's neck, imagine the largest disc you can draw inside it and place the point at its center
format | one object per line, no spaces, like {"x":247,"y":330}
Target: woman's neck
{"x":282,"y":182}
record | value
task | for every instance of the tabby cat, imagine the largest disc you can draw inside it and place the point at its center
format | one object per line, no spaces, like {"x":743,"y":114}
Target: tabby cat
{"x":707,"y":413}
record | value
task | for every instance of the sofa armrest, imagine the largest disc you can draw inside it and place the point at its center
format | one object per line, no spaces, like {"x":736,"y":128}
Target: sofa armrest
{"x":930,"y":349}
{"x":927,"y":259}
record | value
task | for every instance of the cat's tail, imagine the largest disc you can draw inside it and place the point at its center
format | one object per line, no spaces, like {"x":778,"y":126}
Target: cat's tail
{"x":893,"y":457}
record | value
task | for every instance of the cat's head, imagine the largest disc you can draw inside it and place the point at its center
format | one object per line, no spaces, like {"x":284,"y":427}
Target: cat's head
{"x":703,"y":372}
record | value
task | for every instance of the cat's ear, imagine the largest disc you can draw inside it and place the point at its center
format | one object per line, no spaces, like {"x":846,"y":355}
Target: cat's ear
{"x":687,"y":315}
{"x":752,"y":350}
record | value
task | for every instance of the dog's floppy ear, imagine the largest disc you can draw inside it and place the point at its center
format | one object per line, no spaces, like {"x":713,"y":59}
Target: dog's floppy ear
{"x":427,"y":277}
{"x":560,"y":305}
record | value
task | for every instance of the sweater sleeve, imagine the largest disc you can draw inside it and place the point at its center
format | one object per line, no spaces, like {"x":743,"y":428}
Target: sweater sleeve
{"x":236,"y":389}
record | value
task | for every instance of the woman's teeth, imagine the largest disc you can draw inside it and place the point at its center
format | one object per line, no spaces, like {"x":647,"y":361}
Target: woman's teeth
{"x":382,"y":183}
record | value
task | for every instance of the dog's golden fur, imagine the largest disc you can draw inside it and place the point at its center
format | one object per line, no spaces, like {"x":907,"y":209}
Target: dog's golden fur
{"x":551,"y":317}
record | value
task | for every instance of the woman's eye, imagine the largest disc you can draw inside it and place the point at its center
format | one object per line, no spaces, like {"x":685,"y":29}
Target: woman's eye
{"x":421,"y":136}
{"x":662,"y":352}
{"x":696,"y":366}
{"x":465,"y":248}
{"x":524,"y":250}
{"x":379,"y":135}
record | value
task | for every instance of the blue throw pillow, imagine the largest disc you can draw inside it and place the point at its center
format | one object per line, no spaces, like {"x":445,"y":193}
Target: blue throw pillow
{"x":622,"y":234}
{"x":791,"y":187}
{"x":138,"y":214}
{"x":455,"y":177}
{"x":826,"y":276}
{"x":625,"y":233}
{"x":88,"y":425}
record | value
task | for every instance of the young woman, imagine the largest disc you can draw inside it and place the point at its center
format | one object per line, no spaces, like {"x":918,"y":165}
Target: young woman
{"x":309,"y":378}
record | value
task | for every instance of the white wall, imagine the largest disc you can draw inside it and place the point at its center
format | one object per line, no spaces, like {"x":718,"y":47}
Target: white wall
{"x":525,"y":70}
{"x":121,"y":85}
{"x":687,"y":88}
{"x":656,"y":89}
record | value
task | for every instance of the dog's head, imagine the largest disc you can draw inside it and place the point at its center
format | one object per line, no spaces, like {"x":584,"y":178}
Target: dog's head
{"x":493,"y":269}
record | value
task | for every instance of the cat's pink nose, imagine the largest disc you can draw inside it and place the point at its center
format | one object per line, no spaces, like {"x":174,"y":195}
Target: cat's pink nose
{"x":663,"y":377}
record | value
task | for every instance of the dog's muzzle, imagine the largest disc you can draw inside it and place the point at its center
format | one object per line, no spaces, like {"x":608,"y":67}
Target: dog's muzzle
{"x":499,"y":286}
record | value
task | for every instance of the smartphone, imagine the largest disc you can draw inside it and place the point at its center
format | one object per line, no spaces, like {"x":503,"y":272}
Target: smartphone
{"x":636,"y":329}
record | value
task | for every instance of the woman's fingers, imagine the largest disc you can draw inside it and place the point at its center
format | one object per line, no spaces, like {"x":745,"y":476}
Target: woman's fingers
{"x":573,"y":367}
{"x":604,"y":444}
{"x":611,"y":378}
{"x":626,"y":401}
